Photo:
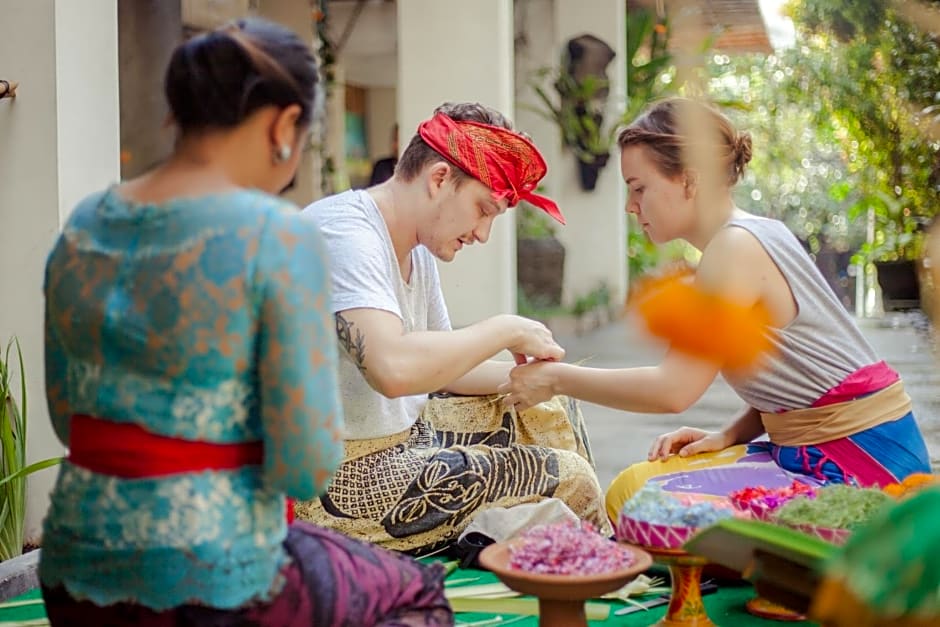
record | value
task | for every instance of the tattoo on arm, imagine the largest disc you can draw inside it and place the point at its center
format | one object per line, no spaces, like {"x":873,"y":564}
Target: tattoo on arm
{"x":352,"y":341}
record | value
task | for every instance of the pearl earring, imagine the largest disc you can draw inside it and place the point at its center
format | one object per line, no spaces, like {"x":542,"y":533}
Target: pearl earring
{"x":283,"y":154}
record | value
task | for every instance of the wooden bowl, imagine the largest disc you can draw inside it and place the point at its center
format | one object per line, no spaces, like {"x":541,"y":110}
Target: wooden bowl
{"x":561,"y":597}
{"x":561,"y":587}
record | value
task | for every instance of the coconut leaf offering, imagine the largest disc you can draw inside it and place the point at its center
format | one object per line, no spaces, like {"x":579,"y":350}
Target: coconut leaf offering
{"x":890,"y":564}
{"x":783,"y":564}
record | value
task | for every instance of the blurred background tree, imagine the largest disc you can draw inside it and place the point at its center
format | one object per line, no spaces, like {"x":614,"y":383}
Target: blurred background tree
{"x":871,"y":77}
{"x":846,"y":129}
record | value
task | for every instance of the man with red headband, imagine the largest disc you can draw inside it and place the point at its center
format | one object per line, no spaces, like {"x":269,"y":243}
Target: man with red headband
{"x":416,"y":470}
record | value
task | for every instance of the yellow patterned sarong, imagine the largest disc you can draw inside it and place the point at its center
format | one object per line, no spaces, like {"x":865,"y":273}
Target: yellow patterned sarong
{"x":416,"y":491}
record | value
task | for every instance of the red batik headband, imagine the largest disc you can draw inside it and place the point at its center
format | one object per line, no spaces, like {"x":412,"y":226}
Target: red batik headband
{"x":501,"y":159}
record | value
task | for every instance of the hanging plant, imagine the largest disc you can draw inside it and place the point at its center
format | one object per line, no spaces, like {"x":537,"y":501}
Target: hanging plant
{"x":582,"y":87}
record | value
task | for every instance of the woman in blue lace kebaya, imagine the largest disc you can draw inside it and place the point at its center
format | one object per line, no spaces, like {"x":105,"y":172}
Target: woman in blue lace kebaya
{"x":190,"y":362}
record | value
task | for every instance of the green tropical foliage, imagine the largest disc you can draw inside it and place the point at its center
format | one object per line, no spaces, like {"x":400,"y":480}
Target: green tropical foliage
{"x":532,"y":222}
{"x":649,"y":61}
{"x":799,"y":173}
{"x":579,"y":110}
{"x":870,"y":77}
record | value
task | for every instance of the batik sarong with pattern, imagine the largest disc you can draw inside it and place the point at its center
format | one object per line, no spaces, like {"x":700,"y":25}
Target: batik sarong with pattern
{"x":416,"y":491}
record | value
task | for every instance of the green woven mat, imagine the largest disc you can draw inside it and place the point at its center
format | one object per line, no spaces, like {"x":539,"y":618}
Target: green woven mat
{"x":725,"y":607}
{"x":25,"y":610}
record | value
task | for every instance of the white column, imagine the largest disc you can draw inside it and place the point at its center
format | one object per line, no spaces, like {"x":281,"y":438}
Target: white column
{"x":59,"y":140}
{"x":295,"y":15}
{"x":148,"y":33}
{"x":454,"y":50}
{"x":381,"y":117}
{"x":595,"y":237}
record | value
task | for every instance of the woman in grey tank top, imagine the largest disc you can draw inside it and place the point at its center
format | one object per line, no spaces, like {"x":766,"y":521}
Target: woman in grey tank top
{"x":833,"y":412}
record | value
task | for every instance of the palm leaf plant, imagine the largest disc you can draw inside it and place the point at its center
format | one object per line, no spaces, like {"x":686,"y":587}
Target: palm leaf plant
{"x":13,"y":467}
{"x":648,"y":60}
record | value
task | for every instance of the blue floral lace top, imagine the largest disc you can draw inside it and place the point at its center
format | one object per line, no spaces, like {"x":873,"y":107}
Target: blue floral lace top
{"x":204,"y":319}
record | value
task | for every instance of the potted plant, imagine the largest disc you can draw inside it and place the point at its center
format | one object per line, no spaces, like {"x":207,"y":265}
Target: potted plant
{"x":897,"y":249}
{"x":13,"y":467}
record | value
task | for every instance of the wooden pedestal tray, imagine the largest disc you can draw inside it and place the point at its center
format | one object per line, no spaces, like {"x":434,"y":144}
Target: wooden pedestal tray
{"x":561,"y":597}
{"x":663,"y":542}
{"x":686,"y":608}
{"x":763,"y":608}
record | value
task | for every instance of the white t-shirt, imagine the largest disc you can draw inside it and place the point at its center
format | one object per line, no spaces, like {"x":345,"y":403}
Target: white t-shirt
{"x":365,"y":274}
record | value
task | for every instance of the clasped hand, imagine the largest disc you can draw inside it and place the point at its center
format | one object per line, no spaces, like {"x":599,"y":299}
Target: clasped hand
{"x":534,"y":350}
{"x":529,"y":384}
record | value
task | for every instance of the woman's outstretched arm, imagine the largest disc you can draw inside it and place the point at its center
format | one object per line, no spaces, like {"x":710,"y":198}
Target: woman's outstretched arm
{"x":671,"y":387}
{"x":732,"y":268}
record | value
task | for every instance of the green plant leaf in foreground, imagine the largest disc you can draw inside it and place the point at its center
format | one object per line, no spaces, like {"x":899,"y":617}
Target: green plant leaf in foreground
{"x":13,"y":467}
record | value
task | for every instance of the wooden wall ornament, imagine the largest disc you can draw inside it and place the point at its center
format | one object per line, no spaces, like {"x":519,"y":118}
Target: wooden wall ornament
{"x":8,"y":88}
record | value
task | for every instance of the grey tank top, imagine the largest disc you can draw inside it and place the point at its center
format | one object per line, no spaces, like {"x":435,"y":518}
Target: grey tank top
{"x":819,"y":348}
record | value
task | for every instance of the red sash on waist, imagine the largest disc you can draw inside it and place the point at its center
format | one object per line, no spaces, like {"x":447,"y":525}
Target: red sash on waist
{"x":131,"y":452}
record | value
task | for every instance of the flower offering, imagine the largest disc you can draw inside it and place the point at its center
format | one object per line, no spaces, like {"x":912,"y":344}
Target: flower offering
{"x":701,"y":324}
{"x":654,"y":505}
{"x":912,"y":484}
{"x":835,"y":507}
{"x":656,"y":518}
{"x":762,"y":501}
{"x":566,"y":548}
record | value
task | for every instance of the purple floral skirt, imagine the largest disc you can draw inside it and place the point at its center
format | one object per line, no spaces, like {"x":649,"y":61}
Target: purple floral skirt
{"x":332,"y":581}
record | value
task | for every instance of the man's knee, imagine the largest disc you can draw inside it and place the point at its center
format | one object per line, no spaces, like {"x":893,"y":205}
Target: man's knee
{"x":579,"y":488}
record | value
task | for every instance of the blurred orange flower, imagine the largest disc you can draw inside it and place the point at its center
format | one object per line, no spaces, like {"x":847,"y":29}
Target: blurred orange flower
{"x":911,"y":483}
{"x":703,"y":325}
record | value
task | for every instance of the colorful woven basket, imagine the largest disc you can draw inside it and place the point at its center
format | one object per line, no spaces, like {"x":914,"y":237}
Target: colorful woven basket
{"x":828,"y":534}
{"x":758,"y":510}
{"x":642,"y":533}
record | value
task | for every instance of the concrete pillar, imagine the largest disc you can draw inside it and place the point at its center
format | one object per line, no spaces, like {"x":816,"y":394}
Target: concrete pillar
{"x":148,"y":32}
{"x":595,"y":237}
{"x":293,"y":14}
{"x":453,"y":50}
{"x":296,"y":15}
{"x":59,"y":141}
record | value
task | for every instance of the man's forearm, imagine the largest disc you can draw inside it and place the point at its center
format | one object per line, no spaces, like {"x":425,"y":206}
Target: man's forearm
{"x":429,"y":361}
{"x":483,"y":379}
